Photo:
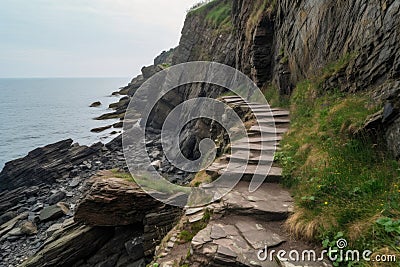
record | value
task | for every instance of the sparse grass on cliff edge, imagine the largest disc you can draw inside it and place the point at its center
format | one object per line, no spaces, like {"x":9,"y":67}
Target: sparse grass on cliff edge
{"x":217,"y":13}
{"x":344,"y":186}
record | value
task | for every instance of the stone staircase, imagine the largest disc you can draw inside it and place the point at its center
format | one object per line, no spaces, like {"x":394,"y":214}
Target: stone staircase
{"x":269,"y":124}
{"x":243,"y":223}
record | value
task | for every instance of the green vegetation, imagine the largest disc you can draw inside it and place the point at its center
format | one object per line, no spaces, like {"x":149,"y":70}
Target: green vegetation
{"x":261,"y":7}
{"x":217,"y":13}
{"x":191,"y":229}
{"x":165,"y":65}
{"x":122,"y":175}
{"x":343,"y":183}
{"x":274,"y":98}
{"x":220,"y":15}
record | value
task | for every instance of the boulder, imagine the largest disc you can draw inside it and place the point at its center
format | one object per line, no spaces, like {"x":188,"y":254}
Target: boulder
{"x":121,"y":104}
{"x":119,"y":124}
{"x":150,"y":71}
{"x":28,"y":228}
{"x":100,"y":129}
{"x":8,"y":226}
{"x":56,"y":197}
{"x":53,"y":212}
{"x":134,"y":248}
{"x":70,"y":245}
{"x":7,"y":216}
{"x":95,"y":104}
{"x":114,"y":201}
{"x":112,"y":115}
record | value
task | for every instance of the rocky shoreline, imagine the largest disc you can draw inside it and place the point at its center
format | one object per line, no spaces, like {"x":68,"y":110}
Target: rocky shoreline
{"x":45,"y":189}
{"x":70,"y":205}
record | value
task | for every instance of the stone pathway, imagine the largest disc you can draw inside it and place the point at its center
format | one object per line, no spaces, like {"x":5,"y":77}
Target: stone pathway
{"x":243,"y":223}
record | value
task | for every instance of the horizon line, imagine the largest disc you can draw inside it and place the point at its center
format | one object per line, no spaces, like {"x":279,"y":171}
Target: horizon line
{"x":64,"y":77}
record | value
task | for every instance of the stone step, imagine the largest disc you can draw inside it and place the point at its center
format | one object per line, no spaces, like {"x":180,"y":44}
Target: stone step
{"x":272,"y":121}
{"x":247,"y":172}
{"x":265,"y":147}
{"x":270,"y":202}
{"x":237,"y":101}
{"x":259,"y":139}
{"x":267,"y":129}
{"x":262,"y":108}
{"x":236,"y":240}
{"x":240,"y":157}
{"x":267,"y":114}
{"x":231,"y":97}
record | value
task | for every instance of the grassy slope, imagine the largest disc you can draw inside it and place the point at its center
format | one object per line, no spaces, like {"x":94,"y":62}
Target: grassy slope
{"x":342,"y":184}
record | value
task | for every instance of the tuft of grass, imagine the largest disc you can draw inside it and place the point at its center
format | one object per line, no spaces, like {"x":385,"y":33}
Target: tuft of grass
{"x":341,"y":183}
{"x":191,"y":229}
{"x":122,"y":175}
{"x":165,"y":65}
{"x":200,"y":178}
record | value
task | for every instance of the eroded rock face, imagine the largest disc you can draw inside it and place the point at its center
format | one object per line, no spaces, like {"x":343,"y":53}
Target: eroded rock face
{"x":70,"y":244}
{"x":255,"y":41}
{"x":201,"y":40}
{"x":114,"y":201}
{"x":117,"y":202}
{"x":45,"y":164}
{"x":313,"y":33}
{"x":289,"y":42}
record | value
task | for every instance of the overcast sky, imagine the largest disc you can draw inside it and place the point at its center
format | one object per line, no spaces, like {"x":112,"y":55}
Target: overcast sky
{"x":86,"y":38}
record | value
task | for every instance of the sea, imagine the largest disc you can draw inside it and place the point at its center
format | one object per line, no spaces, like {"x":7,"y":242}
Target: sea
{"x":35,"y":112}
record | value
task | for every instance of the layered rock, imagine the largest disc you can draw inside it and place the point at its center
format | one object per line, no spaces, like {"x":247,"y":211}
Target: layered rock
{"x":120,"y":202}
{"x":45,"y":164}
{"x":203,"y":40}
{"x":117,"y":202}
{"x":286,"y":42}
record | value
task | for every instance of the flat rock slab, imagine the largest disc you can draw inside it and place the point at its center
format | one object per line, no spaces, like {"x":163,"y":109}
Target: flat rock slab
{"x":233,"y":100}
{"x":266,"y":148}
{"x":243,"y":158}
{"x":270,"y":202}
{"x":259,"y":139}
{"x":268,"y":129}
{"x":252,"y":169}
{"x":234,"y":241}
{"x":276,"y":113}
{"x":192,"y":211}
{"x":272,"y":120}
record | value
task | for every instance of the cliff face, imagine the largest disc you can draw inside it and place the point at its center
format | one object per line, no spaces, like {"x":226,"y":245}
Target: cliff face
{"x":206,"y":37}
{"x":284,"y":42}
{"x":313,"y":33}
{"x":254,"y":26}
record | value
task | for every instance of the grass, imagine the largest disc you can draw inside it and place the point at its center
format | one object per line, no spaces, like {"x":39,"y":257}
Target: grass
{"x":220,"y":15}
{"x":216,"y":13}
{"x":274,"y":98}
{"x":165,"y":65}
{"x":191,"y":229}
{"x":122,"y":175}
{"x":200,"y":178}
{"x":261,"y":7}
{"x":342,"y":184}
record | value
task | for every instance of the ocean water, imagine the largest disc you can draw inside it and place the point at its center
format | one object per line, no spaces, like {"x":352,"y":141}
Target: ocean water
{"x":38,"y":111}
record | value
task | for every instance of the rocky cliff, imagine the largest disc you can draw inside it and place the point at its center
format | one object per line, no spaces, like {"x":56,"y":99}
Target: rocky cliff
{"x":276,"y":43}
{"x":284,"y":42}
